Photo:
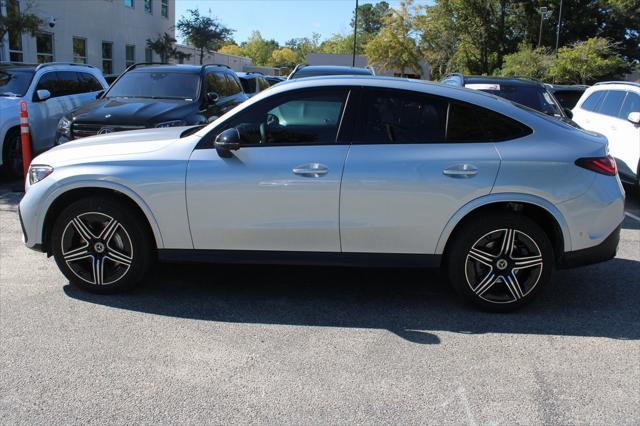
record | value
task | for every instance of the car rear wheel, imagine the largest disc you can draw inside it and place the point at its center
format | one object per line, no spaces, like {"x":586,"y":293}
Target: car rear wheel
{"x":12,"y":155}
{"x":101,"y":245}
{"x":500,"y":263}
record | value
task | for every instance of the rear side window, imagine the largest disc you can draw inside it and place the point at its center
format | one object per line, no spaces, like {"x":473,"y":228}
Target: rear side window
{"x":612,"y":102}
{"x":88,"y":83}
{"x":248,"y":84}
{"x":405,"y":118}
{"x":592,"y":102}
{"x":51,"y":82}
{"x":631,"y":104}
{"x":263,"y":84}
{"x":217,"y":83}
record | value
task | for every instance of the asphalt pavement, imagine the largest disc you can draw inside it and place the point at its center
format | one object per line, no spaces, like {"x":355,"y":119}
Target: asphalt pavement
{"x":202,"y":344}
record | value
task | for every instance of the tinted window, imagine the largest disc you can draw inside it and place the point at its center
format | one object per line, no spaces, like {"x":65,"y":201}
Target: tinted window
{"x":592,"y":102}
{"x":534,"y":97}
{"x":631,"y":104}
{"x":393,"y":117}
{"x":248,"y":84}
{"x":50,"y":82}
{"x":217,"y":83}
{"x":468,"y":123}
{"x":233,"y":85}
{"x":404,"y":118}
{"x":262,"y":83}
{"x":612,"y":103}
{"x":305,"y":117}
{"x":88,"y":83}
{"x":14,"y":81}
{"x":68,"y":83}
{"x":152,"y":84}
{"x":569,"y":98}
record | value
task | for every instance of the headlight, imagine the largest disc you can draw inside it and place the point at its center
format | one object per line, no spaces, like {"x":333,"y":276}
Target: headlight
{"x":174,"y":123}
{"x":64,"y":126}
{"x":37,"y":173}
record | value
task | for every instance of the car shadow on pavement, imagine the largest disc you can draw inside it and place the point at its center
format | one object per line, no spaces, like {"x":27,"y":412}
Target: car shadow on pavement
{"x":598,"y":301}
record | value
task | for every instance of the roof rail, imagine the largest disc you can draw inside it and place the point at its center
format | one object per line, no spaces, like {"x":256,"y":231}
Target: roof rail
{"x":139,"y":64}
{"x":632,"y":83}
{"x":216,"y":65}
{"x":52,"y":64}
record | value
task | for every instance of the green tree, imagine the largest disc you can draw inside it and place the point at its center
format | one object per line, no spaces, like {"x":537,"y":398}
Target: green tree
{"x":528,"y":62}
{"x":16,"y":21}
{"x":439,"y":38}
{"x":395,"y":46}
{"x":283,"y":58}
{"x":370,"y":22}
{"x":232,"y":49}
{"x":163,"y":46}
{"x":203,"y":32}
{"x":587,"y":61}
{"x":303,"y":46}
{"x":338,"y":44}
{"x":259,"y":49}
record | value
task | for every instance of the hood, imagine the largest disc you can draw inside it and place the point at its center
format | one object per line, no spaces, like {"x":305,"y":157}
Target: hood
{"x":110,"y":146}
{"x":133,"y":111}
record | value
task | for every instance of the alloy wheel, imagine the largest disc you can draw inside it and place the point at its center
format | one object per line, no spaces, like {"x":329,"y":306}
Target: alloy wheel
{"x":503,"y":266}
{"x":97,"y":248}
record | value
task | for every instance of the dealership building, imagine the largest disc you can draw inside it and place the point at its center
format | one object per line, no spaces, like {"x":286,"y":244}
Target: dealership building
{"x":108,"y":34}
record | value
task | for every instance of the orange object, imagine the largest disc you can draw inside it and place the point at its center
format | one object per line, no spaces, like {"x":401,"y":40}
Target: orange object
{"x":25,"y":137}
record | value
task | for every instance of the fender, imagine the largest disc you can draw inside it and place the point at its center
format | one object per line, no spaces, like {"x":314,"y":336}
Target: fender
{"x":59,"y":189}
{"x":501,"y":198}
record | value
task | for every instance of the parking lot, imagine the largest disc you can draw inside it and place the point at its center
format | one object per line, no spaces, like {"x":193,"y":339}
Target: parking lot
{"x":222,"y":343}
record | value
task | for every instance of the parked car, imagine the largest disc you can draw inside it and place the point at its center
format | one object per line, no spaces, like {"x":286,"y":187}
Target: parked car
{"x":337,"y":170}
{"x":274,"y":79}
{"x":612,"y":108}
{"x":253,"y":82}
{"x":567,"y":94}
{"x":51,"y":90}
{"x":156,"y":96}
{"x":301,"y":71}
{"x":110,"y":78}
{"x":528,"y":92}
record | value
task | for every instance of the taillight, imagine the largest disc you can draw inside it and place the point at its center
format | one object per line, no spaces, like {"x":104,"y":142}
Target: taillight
{"x":603,"y":165}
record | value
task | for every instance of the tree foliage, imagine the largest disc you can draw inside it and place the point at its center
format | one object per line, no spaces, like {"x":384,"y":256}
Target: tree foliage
{"x":232,"y":49}
{"x":528,"y":62}
{"x":303,"y":46}
{"x":163,"y":46}
{"x":203,"y":32}
{"x":587,"y":61}
{"x":16,"y":21}
{"x":259,"y":49}
{"x":283,"y":58}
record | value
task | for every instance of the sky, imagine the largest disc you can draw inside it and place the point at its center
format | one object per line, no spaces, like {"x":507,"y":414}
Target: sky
{"x":281,"y":20}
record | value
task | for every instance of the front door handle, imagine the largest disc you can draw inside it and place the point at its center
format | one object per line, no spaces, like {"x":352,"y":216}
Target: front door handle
{"x":461,"y":171}
{"x":311,"y":170}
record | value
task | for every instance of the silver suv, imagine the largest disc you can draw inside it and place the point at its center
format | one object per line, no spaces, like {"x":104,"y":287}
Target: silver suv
{"x":51,"y":90}
{"x":337,"y":170}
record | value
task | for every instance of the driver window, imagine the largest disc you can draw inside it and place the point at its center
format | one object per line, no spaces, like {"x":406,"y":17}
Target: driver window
{"x":303,"y":117}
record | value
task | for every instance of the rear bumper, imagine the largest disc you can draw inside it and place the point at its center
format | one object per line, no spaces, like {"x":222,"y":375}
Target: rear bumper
{"x":604,"y":251}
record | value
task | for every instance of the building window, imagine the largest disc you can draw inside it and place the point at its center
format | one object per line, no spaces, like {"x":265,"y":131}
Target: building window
{"x":148,"y":6}
{"x":148,"y":55}
{"x":44,"y":47}
{"x":79,"y":50}
{"x":128,"y":3}
{"x":107,"y":57}
{"x":130,"y":55}
{"x":15,"y":37}
{"x":165,"y":8}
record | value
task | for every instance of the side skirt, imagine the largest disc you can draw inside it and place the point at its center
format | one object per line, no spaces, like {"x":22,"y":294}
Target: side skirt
{"x":383,"y":260}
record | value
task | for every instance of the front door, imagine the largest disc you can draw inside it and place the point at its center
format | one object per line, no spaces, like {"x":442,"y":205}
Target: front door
{"x":280,"y":191}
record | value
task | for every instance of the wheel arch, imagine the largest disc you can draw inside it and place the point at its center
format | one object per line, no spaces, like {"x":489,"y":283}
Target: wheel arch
{"x":539,"y":210}
{"x":9,"y":131}
{"x":59,"y":200}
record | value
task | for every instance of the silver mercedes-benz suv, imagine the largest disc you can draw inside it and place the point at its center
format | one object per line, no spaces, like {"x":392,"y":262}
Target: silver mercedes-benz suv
{"x":344,"y":170}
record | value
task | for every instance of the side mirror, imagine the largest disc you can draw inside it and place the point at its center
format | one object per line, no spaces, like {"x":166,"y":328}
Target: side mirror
{"x":212,"y":97}
{"x":634,"y":117}
{"x":42,"y":95}
{"x":568,"y":112}
{"x":227,"y":141}
{"x":99,"y":94}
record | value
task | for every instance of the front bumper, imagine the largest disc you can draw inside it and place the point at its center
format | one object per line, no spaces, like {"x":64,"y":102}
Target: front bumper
{"x":604,"y":251}
{"x":25,"y":237}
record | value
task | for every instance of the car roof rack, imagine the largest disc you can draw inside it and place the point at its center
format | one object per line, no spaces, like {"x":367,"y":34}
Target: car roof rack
{"x":53,"y":64}
{"x":632,"y":83}
{"x":216,"y":65}
{"x":142,"y":64}
{"x":297,"y":67}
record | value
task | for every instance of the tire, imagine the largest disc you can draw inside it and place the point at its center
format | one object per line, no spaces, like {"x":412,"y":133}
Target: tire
{"x":500,"y":274}
{"x":12,"y":155}
{"x":98,"y":254}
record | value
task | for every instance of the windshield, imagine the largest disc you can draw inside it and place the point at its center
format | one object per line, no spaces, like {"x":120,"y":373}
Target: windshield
{"x":532,"y":96}
{"x":156,"y":85}
{"x":15,"y":82}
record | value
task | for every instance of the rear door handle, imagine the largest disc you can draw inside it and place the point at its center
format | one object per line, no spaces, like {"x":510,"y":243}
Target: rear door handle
{"x":311,"y":170}
{"x":461,"y":171}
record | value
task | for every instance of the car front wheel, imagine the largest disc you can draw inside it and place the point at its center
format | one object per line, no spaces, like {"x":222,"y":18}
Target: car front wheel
{"x":500,"y":263}
{"x":101,"y":245}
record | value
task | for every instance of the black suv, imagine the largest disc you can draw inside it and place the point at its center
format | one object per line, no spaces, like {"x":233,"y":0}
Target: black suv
{"x":528,"y":92}
{"x":156,"y":95}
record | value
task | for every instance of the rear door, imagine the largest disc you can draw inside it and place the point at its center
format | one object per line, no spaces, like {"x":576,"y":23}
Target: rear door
{"x":44,"y":115}
{"x":626,"y":145}
{"x":415,"y":160}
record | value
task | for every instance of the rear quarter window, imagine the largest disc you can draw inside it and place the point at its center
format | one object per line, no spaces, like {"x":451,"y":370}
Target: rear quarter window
{"x":592,"y":101}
